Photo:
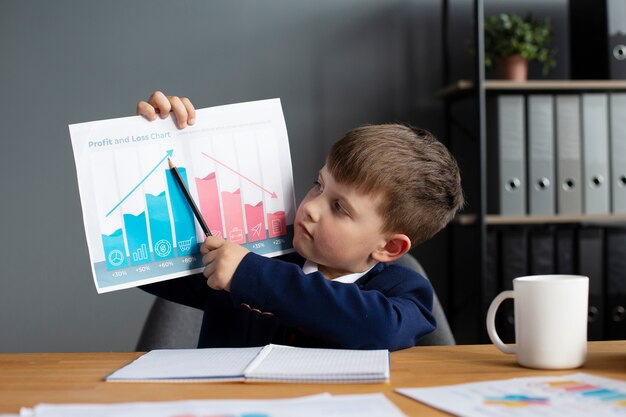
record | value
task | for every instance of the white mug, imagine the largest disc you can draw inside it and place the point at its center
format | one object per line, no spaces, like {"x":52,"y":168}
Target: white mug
{"x":550,"y":321}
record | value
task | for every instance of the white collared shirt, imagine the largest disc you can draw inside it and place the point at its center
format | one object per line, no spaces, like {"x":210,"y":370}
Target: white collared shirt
{"x":310,"y":267}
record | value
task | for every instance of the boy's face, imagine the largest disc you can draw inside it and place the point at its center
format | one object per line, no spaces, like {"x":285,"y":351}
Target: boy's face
{"x":338,"y":227}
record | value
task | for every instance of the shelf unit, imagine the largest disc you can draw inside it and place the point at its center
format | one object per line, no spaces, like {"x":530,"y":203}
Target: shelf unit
{"x":468,"y":237}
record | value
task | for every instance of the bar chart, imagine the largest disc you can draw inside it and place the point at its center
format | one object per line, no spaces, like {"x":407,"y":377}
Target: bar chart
{"x":140,"y":229}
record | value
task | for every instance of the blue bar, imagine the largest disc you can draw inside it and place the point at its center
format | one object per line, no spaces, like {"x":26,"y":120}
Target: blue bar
{"x":160,"y":226}
{"x":615,"y":396}
{"x":114,"y":250}
{"x":184,"y":225}
{"x":137,"y":238}
{"x":602,"y":392}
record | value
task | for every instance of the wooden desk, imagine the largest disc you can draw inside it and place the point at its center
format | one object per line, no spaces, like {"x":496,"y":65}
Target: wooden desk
{"x":27,"y":379}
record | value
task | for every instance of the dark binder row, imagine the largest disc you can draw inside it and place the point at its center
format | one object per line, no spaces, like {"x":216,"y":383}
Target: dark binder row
{"x":598,"y":252}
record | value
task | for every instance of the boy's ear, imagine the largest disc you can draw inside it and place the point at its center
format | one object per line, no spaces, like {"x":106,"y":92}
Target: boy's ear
{"x":396,"y":246}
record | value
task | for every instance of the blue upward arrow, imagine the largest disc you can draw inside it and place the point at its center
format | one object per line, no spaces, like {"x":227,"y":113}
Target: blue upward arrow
{"x":167,"y":155}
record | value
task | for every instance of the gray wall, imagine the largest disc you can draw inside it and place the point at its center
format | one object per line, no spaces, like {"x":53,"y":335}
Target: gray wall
{"x":334,"y":64}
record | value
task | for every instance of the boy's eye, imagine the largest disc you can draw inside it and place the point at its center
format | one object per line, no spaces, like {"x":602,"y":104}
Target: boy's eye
{"x":318,"y":185}
{"x":339,"y":208}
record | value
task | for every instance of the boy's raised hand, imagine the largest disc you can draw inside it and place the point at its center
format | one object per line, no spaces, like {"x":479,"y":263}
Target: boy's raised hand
{"x":181,"y":107}
{"x":221,"y":259}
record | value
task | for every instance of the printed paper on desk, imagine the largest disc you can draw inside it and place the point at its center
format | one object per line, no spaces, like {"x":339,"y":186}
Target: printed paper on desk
{"x":365,"y":405}
{"x":234,"y":160}
{"x":573,"y":395}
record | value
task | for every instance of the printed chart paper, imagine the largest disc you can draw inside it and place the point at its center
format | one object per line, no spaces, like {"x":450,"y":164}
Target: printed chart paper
{"x":573,"y":395}
{"x":360,"y":405}
{"x":235,"y":161}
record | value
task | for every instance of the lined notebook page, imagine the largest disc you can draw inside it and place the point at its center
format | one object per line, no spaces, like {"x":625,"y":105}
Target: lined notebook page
{"x":291,"y":364}
{"x":188,"y":364}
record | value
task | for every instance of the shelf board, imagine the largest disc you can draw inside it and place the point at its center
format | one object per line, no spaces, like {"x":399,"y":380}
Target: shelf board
{"x":495,"y":219}
{"x":462,"y":87}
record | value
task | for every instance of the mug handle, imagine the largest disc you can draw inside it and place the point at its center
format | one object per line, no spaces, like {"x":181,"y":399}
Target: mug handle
{"x":491,"y":321}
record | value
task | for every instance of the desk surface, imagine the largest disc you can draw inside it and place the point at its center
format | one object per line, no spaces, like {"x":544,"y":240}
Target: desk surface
{"x":27,"y":379}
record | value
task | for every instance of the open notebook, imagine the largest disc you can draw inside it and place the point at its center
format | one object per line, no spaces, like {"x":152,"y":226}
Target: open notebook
{"x":274,"y":363}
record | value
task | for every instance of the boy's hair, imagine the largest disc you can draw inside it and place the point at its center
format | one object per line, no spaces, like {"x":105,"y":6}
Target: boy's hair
{"x":418,"y":177}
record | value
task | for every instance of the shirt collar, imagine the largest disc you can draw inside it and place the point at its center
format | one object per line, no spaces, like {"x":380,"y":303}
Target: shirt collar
{"x":310,"y":267}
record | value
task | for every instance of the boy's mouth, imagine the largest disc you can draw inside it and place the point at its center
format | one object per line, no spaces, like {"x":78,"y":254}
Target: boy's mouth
{"x":305,"y":231}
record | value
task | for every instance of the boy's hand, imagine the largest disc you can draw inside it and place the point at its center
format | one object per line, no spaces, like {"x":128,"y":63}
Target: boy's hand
{"x":184,"y":111}
{"x":221,"y":259}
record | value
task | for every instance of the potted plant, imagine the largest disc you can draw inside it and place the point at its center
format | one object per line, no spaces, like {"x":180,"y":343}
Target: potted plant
{"x":511,"y":42}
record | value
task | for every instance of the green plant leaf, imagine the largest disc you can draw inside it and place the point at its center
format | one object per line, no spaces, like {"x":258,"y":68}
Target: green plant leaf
{"x":508,"y":34}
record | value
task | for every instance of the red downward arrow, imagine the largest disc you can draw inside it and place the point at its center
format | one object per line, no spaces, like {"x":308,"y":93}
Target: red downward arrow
{"x":273,"y":194}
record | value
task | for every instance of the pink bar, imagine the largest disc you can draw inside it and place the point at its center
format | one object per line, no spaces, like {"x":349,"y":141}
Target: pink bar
{"x":581,"y":387}
{"x":210,"y":203}
{"x":276,"y":224}
{"x":255,"y":222}
{"x":233,"y":216}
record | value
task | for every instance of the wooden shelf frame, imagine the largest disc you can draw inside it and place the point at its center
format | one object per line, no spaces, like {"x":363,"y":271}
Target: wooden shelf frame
{"x":463,"y":87}
{"x":496,"y":219}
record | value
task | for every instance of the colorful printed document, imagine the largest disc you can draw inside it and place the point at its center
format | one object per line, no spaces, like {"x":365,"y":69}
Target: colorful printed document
{"x":365,"y":405}
{"x":573,"y":395}
{"x":235,"y":162}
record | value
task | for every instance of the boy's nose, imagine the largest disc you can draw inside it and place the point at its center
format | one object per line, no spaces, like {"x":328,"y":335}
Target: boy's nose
{"x":311,"y":209}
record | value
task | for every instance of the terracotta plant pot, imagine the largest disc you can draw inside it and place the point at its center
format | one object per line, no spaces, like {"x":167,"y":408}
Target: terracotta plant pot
{"x":514,"y":68}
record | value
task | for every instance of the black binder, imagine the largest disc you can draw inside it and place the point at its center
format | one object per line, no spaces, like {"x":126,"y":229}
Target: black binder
{"x":492,"y":274}
{"x":566,"y":259}
{"x":541,"y":250}
{"x":514,"y":263}
{"x":591,"y":264}
{"x":615,"y":284}
{"x":464,"y":311}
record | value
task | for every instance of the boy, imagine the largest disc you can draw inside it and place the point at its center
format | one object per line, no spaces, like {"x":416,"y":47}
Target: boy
{"x":383,"y":189}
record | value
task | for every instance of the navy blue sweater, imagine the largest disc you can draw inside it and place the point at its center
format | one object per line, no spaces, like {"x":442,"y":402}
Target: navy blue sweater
{"x":273,"y":301}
